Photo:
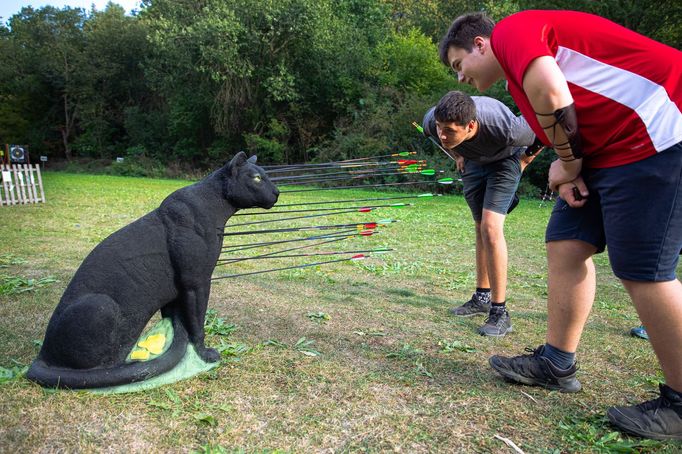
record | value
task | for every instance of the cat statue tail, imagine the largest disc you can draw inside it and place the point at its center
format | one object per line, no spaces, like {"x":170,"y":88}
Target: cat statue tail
{"x":126,"y":373}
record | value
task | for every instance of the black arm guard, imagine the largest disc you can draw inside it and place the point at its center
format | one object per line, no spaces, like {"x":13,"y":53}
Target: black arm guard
{"x":534,"y":148}
{"x":566,"y":118}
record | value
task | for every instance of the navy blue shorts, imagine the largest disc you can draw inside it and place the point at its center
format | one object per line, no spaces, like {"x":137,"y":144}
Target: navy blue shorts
{"x":491,"y":186}
{"x":635,"y":210}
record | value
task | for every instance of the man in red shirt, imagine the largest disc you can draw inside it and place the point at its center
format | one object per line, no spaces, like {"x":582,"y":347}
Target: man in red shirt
{"x":608,"y":101}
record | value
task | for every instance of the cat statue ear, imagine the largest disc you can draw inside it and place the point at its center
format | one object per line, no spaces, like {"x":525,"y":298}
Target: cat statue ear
{"x":236,"y":162}
{"x":252,"y":159}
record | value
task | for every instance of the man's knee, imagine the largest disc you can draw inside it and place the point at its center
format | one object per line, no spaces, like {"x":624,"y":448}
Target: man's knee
{"x":573,"y":251}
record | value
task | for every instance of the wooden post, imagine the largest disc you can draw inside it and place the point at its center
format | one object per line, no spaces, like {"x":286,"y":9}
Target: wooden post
{"x":3,"y":188}
{"x":19,"y":184}
{"x":7,"y":184}
{"x":40,"y":182}
{"x":33,"y":182}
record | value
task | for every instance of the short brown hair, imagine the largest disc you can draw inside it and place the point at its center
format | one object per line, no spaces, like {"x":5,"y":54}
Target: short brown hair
{"x":463,"y":31}
{"x":457,"y":107}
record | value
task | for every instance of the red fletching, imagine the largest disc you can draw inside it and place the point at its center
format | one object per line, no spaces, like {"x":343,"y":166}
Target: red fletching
{"x":407,"y":162}
{"x":358,"y":257}
{"x":364,"y":210}
{"x":370,"y":225}
{"x":367,"y":233}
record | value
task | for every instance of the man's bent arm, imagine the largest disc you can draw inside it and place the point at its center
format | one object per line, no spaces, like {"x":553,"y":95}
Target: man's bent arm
{"x":548,"y":93}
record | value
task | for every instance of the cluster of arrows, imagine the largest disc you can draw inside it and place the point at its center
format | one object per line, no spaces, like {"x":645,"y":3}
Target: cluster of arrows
{"x":284,"y":232}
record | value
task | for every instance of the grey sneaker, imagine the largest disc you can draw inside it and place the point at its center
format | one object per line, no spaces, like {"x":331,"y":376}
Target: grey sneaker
{"x":535,"y":370}
{"x":474,"y":306}
{"x":497,"y":324}
{"x":660,"y":419}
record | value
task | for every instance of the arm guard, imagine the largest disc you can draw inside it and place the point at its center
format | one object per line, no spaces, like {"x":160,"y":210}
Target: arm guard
{"x":566,"y":118}
{"x":534,"y":148}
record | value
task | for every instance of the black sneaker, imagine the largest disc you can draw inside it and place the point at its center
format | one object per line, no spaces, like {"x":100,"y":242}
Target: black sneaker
{"x":535,"y":370}
{"x":660,"y":419}
{"x":475,"y":306}
{"x":498,"y":323}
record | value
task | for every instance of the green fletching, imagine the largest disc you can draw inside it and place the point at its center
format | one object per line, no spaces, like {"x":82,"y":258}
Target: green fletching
{"x":404,"y":154}
{"x":385,"y":221}
{"x":398,"y":205}
{"x":446,"y":181}
{"x":382,"y":250}
{"x":412,"y":170}
{"x":425,"y":195}
{"x":428,"y":172}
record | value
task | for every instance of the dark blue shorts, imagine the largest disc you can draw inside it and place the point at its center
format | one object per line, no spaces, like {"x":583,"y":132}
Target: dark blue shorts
{"x":635,"y":210}
{"x":491,"y":186}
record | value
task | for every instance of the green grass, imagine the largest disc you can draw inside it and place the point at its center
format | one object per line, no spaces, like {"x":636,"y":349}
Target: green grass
{"x":351,"y":356}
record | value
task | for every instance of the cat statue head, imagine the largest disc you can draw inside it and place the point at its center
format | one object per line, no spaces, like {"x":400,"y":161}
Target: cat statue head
{"x":246,"y":185}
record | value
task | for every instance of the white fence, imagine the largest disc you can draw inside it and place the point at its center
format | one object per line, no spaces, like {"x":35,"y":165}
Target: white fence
{"x":21,"y":184}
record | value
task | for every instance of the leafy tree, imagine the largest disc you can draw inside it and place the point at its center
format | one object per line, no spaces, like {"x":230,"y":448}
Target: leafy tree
{"x":112,"y":80}
{"x":47,"y":46}
{"x":659,"y":21}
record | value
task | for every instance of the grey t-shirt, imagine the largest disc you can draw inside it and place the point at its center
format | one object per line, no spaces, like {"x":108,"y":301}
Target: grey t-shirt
{"x":499,"y":135}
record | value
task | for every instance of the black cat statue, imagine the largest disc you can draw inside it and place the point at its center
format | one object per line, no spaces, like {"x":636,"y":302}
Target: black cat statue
{"x":160,"y":262}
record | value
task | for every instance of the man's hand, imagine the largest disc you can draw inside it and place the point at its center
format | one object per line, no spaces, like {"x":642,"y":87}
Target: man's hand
{"x":459,"y":160}
{"x":525,"y":160}
{"x":561,"y":172}
{"x":574,"y":192}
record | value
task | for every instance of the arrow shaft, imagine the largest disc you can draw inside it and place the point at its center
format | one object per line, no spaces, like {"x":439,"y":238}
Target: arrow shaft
{"x":361,"y":186}
{"x":274,"y":253}
{"x":310,"y":254}
{"x":295,"y":229}
{"x":353,"y":200}
{"x":391,"y":171}
{"x":343,"y":233}
{"x":307,"y":265}
{"x":319,"y":209}
{"x":308,"y":167}
{"x":290,"y":218}
{"x":358,"y":177}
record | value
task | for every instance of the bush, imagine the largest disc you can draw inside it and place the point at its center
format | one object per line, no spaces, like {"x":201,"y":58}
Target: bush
{"x":138,"y":166}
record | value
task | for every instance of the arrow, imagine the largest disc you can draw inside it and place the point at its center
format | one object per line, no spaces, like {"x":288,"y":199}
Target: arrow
{"x":428,"y":172}
{"x":355,"y":257}
{"x":365,"y":208}
{"x":412,"y":168}
{"x":359,"y":226}
{"x":294,"y":168}
{"x":333,"y":240}
{"x":440,"y":181}
{"x":343,"y":233}
{"x":402,"y":154}
{"x":278,"y":255}
{"x":361,"y":210}
{"x":426,"y":195}
{"x":434,"y":141}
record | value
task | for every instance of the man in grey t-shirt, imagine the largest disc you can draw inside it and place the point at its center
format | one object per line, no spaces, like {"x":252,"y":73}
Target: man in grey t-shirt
{"x":489,"y":144}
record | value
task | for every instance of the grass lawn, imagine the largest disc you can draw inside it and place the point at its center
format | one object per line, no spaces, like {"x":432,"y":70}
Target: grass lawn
{"x":351,"y":356}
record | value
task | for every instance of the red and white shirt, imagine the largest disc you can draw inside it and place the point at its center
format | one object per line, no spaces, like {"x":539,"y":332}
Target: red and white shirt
{"x":627,"y":88}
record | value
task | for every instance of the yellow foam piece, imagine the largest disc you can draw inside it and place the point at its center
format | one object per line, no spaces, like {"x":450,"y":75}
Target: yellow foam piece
{"x":153,"y":343}
{"x":140,"y":354}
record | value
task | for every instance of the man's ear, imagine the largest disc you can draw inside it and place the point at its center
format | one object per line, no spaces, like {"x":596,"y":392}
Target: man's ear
{"x":236,"y":162}
{"x":480,"y":44}
{"x":252,"y":159}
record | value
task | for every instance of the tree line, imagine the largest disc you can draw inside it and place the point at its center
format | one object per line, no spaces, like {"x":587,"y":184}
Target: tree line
{"x":194,"y":81}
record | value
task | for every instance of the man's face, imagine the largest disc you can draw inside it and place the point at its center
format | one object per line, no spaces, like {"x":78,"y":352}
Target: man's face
{"x":478,"y":68}
{"x":451,"y":134}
